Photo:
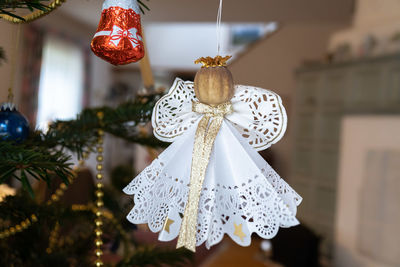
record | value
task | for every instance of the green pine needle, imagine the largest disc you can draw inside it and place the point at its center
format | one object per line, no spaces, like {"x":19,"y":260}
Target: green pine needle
{"x":45,"y":154}
{"x":8,"y":7}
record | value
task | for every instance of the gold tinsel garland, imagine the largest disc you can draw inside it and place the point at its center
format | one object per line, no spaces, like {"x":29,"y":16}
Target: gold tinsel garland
{"x":98,"y":209}
{"x":99,"y":195}
{"x":33,"y":218}
{"x":35,"y":14}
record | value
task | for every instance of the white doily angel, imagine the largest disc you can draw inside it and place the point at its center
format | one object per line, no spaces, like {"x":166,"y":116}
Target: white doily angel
{"x":211,"y":181}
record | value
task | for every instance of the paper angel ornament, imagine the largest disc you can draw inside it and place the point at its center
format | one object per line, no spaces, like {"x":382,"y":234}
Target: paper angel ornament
{"x":211,"y":181}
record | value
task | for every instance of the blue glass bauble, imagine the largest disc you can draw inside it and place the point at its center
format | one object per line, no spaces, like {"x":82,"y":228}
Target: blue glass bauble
{"x":13,"y":125}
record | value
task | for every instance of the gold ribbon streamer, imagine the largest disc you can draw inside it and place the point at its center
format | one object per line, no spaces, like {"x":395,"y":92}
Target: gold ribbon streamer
{"x":204,"y":140}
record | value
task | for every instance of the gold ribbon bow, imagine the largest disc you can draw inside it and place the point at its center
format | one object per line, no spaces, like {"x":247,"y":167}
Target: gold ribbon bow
{"x":204,"y":140}
{"x":117,"y":34}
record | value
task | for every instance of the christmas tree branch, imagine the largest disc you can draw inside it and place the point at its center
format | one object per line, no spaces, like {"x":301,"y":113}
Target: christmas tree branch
{"x":20,"y":160}
{"x":81,"y":134}
{"x":43,"y":154}
{"x":8,"y":7}
{"x":27,"y":247}
{"x":75,"y":237}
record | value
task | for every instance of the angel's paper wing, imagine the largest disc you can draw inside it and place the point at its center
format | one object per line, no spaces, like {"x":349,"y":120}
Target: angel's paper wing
{"x":259,"y":115}
{"x":172,"y":114}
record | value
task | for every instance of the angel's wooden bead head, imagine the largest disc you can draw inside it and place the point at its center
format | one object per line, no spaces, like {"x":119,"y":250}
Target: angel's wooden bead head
{"x":213,"y":83}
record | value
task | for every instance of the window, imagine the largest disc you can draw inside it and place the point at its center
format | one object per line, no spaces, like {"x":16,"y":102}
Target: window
{"x":166,"y":42}
{"x":61,"y":81}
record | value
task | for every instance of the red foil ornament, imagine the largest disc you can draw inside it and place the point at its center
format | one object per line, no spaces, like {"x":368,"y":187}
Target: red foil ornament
{"x":118,"y":38}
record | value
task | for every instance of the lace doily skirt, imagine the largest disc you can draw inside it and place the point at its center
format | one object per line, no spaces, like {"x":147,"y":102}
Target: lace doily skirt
{"x":241,"y":193}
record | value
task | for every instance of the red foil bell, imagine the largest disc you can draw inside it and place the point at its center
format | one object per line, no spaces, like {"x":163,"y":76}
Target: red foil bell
{"x":118,"y":38}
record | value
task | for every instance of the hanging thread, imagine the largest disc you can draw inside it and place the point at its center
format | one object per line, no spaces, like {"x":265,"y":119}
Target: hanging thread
{"x":219,"y":16}
{"x":14,"y":56}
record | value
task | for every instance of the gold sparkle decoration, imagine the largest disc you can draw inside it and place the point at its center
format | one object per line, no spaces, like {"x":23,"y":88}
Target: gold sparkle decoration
{"x":210,"y":62}
{"x":5,"y":191}
{"x":167,"y":224}
{"x":53,"y":238}
{"x":239,"y":231}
